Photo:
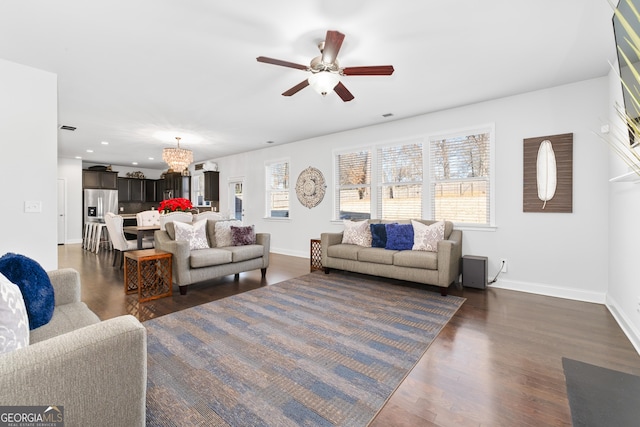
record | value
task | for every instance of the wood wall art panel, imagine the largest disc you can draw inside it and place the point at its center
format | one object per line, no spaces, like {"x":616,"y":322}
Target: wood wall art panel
{"x":544,"y":167}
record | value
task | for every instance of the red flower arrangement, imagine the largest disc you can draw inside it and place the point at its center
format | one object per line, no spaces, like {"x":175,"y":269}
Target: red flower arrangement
{"x":177,"y":204}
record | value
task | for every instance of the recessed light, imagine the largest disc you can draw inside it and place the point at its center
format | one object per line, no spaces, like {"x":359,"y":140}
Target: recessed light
{"x":104,"y":143}
{"x":78,"y":157}
{"x":134,"y":163}
{"x":151,"y":158}
{"x":89,"y":151}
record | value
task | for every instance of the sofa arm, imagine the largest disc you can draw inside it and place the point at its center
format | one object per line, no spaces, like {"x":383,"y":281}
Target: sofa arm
{"x":449,"y":255}
{"x":264,"y":239}
{"x":97,"y":373}
{"x":326,"y":240}
{"x":181,"y":269}
{"x":66,"y":285}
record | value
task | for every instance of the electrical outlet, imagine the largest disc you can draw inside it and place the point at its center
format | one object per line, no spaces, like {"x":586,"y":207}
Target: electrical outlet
{"x":503,"y":263}
{"x":32,"y":206}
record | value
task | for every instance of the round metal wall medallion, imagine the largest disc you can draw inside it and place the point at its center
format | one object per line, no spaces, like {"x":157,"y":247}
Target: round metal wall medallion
{"x":310,"y":187}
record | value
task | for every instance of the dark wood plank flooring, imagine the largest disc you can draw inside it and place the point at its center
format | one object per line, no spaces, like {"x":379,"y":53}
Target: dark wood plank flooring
{"x":496,"y":363}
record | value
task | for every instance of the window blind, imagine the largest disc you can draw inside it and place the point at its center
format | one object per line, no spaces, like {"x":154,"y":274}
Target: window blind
{"x":277,"y":190}
{"x":400,"y":182}
{"x":353,"y":190}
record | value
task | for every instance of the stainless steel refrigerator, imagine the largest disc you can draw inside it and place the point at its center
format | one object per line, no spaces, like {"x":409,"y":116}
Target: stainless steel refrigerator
{"x":99,"y":202}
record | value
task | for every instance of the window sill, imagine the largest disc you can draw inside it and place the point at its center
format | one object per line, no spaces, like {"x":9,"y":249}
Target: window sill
{"x":276,"y":219}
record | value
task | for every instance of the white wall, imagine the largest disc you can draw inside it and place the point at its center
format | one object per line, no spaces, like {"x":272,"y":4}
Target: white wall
{"x":28,"y":169}
{"x":623,"y":298}
{"x":70,"y":170}
{"x":554,"y":254}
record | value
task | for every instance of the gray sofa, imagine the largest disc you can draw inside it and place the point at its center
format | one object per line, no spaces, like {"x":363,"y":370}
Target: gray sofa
{"x":192,"y":266}
{"x":440,"y":268}
{"x":97,"y":371}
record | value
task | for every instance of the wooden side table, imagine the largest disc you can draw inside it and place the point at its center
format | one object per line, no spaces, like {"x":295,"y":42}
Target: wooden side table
{"x":315,"y":256}
{"x":148,"y":272}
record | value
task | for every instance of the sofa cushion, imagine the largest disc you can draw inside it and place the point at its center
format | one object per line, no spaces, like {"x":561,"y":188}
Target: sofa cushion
{"x":426,"y":237}
{"x":66,"y":318}
{"x":344,"y":251}
{"x":14,"y":322}
{"x":209,"y":257}
{"x":417,"y":259}
{"x":243,"y":253}
{"x":448,"y":226}
{"x":223,"y":232}
{"x":356,"y":233}
{"x":399,"y":236}
{"x":376,"y":255}
{"x":241,"y":236}
{"x":35,"y":285}
{"x":195,"y":234}
{"x":378,"y":235}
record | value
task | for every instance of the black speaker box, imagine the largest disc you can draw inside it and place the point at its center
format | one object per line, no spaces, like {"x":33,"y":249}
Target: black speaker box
{"x":474,"y":271}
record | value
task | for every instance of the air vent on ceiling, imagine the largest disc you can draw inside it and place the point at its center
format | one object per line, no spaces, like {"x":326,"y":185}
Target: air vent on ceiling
{"x":65,"y":127}
{"x":387,"y":115}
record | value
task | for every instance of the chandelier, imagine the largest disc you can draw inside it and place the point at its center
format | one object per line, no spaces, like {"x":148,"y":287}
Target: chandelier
{"x":178,"y":158}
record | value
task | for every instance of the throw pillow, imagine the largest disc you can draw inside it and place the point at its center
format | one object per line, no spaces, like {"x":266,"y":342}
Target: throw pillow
{"x":14,"y":322}
{"x":223,"y":232}
{"x":195,"y":234}
{"x":426,"y":237}
{"x":399,"y":236}
{"x":34,"y":285}
{"x":241,"y":236}
{"x":357,"y":233}
{"x":378,"y":235}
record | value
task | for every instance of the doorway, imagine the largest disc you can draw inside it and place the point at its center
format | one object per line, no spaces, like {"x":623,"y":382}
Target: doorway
{"x":62,"y":207}
{"x":236,"y":199}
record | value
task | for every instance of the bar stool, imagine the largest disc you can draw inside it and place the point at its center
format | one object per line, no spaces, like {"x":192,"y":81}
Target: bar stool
{"x":86,"y":235}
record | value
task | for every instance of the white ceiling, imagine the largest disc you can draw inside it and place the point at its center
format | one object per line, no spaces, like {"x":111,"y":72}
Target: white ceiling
{"x":137,"y":73}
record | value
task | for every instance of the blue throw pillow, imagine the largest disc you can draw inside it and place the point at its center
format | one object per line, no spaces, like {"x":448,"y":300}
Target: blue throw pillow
{"x":378,"y":235}
{"x":34,"y":284}
{"x":399,"y":236}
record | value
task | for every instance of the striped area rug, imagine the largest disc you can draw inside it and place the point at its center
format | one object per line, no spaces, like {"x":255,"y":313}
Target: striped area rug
{"x":318,"y":350}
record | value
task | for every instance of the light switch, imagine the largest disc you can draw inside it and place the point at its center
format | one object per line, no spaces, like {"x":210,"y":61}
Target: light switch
{"x":32,"y":206}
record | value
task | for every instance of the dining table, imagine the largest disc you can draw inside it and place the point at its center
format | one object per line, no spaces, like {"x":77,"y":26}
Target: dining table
{"x":140,"y":231}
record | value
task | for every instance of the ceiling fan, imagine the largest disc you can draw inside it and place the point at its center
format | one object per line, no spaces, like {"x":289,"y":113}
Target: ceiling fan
{"x":326,"y":71}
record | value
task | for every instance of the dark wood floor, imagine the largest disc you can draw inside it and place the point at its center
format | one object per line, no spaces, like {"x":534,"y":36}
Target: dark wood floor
{"x":498,"y":362}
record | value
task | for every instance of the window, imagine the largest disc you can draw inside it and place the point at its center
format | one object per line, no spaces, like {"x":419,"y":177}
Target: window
{"x":400,"y":182}
{"x":353,"y":185}
{"x":461,"y":177}
{"x":277,"y":190}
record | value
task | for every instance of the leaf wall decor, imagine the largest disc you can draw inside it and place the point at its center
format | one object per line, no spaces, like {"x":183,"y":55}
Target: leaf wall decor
{"x":546,"y":172}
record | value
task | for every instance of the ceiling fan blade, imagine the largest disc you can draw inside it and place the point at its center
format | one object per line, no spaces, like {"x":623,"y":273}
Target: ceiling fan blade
{"x":332,"y":44}
{"x":374,"y":70}
{"x":281,"y":63}
{"x":296,"y":88}
{"x":343,"y":92}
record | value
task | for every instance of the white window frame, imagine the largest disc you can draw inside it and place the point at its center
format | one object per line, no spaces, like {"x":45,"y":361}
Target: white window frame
{"x":336,"y":180}
{"x":429,"y":196}
{"x":269,"y":190}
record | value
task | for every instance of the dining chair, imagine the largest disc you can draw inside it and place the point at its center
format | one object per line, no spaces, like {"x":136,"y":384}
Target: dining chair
{"x":175,"y":216}
{"x":146,"y":218}
{"x":115,"y":224}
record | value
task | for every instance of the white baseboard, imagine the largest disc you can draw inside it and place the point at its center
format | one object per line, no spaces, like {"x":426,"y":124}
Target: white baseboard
{"x":72,"y":241}
{"x":290,"y":253}
{"x":552,"y":291}
{"x":627,"y":326}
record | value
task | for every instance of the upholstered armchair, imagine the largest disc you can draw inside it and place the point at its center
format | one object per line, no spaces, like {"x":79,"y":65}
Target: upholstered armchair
{"x":209,"y":215}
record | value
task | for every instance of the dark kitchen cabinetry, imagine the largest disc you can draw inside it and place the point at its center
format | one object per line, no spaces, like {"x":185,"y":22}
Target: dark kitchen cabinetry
{"x":100,"y":179}
{"x":131,"y":190}
{"x":212,"y":186}
{"x":176,"y":185}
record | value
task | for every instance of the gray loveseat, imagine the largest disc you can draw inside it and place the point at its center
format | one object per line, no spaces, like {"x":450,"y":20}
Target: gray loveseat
{"x":97,"y":371}
{"x":440,"y":268}
{"x":192,"y":266}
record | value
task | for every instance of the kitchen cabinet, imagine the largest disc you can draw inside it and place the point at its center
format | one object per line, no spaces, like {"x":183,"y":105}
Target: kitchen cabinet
{"x":212,"y":186}
{"x":131,"y":190}
{"x":100,"y":179}
{"x":176,"y":185}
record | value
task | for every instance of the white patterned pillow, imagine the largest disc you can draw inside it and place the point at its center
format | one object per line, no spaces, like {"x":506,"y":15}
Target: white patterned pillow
{"x":14,"y":321}
{"x":195,"y":234}
{"x":223,"y":232}
{"x":357,"y":233}
{"x":426,"y":237}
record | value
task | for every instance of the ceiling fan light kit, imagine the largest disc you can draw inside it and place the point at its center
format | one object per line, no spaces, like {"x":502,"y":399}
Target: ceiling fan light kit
{"x":326,"y":71}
